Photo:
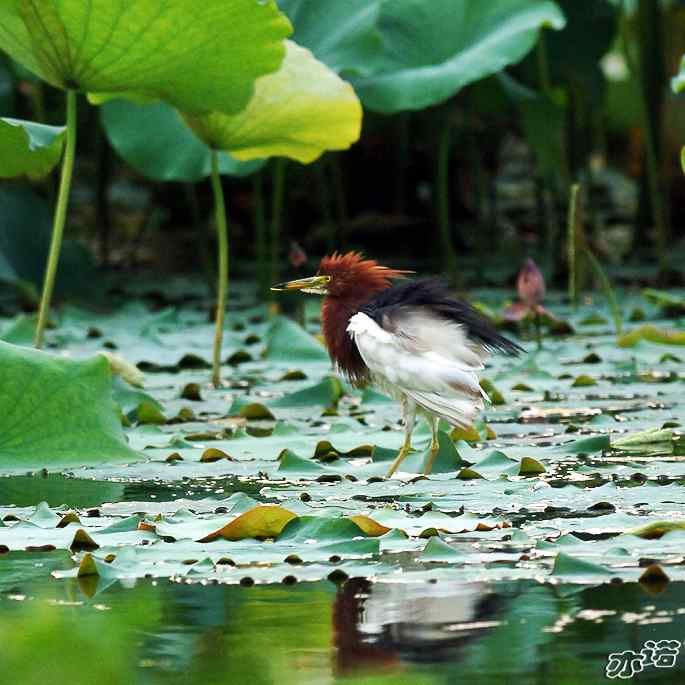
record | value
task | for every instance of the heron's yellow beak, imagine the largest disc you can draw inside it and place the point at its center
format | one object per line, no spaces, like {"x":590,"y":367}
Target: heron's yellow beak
{"x":316,"y":285}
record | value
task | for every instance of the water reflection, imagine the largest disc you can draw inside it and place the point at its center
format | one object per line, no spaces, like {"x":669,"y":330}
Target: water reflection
{"x":387,"y":622}
{"x":433,"y":634}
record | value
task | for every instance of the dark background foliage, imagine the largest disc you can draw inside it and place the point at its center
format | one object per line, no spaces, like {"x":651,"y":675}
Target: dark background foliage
{"x":591,"y":104}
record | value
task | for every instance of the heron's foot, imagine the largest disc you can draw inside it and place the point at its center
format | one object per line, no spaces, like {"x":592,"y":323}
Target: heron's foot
{"x":401,"y":456}
{"x":435,"y":448}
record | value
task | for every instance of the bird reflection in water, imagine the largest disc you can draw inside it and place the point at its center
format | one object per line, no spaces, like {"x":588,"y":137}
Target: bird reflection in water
{"x":379,"y":625}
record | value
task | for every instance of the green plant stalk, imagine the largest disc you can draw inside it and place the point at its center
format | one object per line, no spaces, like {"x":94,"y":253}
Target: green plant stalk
{"x":606,"y":289}
{"x":572,"y":237}
{"x":449,"y":257}
{"x":544,"y":79}
{"x":653,"y":182}
{"x":58,"y":220}
{"x":278,"y":191}
{"x":538,"y":330}
{"x":222,"y":285}
{"x":260,"y":231}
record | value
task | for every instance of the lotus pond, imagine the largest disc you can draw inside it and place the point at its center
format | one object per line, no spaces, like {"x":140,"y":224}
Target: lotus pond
{"x":250,"y":532}
{"x":188,"y":491}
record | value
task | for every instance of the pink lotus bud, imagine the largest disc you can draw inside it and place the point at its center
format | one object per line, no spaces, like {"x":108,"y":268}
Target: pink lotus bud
{"x":530,"y":284}
{"x":297,"y":256}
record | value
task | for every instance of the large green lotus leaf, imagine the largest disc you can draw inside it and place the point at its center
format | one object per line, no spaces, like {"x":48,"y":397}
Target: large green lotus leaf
{"x":197,"y":59}
{"x":299,"y":112}
{"x":56,"y":411}
{"x":29,"y":148}
{"x":341,"y":33}
{"x":154,"y":140}
{"x":433,"y":49}
{"x":287,"y":341}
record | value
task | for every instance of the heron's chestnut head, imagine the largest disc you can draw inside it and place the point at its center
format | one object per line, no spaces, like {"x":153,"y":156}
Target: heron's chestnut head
{"x":345,"y":275}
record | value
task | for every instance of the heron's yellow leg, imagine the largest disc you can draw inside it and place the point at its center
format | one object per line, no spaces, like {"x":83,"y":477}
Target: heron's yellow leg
{"x":435,"y":446}
{"x":401,"y":456}
{"x":409,"y":415}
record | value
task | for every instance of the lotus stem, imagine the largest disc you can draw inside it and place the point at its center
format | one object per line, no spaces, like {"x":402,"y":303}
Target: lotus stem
{"x":222,"y":285}
{"x":606,"y":288}
{"x":58,"y":220}
{"x":573,"y":237}
{"x":450,"y":260}
{"x":544,"y":79}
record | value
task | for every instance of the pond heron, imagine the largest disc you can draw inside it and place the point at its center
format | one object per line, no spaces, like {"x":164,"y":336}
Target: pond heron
{"x":411,"y":340}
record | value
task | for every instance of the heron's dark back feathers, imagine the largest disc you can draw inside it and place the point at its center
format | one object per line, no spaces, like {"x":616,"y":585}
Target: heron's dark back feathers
{"x":433,"y":296}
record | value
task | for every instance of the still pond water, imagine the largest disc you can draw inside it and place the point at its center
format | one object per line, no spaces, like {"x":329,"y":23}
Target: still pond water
{"x":356,"y":632}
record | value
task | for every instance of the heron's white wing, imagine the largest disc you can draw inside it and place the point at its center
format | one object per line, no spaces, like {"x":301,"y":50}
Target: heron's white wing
{"x":424,"y":331}
{"x":425,"y":357}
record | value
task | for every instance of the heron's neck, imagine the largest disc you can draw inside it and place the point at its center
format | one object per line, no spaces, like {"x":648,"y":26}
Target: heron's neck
{"x":335,"y":315}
